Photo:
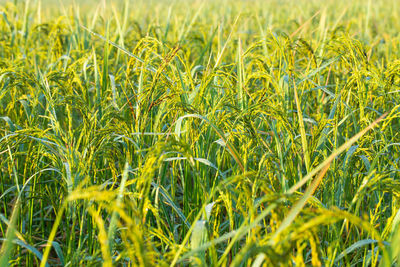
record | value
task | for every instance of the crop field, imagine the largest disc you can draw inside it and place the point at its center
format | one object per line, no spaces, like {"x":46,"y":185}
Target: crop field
{"x":200,"y":133}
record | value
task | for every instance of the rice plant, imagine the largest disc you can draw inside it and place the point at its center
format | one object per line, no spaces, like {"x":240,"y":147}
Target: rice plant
{"x":200,"y":133}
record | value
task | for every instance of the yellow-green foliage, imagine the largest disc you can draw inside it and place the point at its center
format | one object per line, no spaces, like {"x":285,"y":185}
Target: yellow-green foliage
{"x":201,"y":133}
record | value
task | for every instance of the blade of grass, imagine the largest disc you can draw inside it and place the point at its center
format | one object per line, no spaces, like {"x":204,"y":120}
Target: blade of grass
{"x":328,"y":160}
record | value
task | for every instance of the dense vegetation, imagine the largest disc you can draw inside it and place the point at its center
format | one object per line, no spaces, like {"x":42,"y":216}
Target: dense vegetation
{"x":200,"y":133}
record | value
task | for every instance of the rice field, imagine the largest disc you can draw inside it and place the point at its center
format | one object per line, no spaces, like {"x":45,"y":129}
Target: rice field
{"x":200,"y":133}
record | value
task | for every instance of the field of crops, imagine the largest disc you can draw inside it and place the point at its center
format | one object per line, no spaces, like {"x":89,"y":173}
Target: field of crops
{"x":200,"y":133}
